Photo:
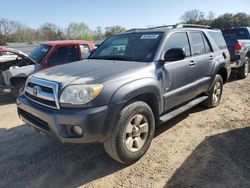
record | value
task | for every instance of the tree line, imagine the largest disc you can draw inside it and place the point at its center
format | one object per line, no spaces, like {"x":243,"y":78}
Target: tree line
{"x":14,"y":31}
{"x":226,"y":20}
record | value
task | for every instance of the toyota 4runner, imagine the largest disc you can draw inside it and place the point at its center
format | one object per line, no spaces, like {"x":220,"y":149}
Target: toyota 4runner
{"x":132,"y":82}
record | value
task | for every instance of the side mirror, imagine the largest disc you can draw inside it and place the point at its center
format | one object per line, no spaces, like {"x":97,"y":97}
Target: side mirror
{"x":175,"y":54}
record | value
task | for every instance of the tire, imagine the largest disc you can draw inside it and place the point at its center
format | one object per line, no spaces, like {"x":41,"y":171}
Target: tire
{"x":244,"y":70}
{"x":19,"y":88}
{"x":134,"y":121}
{"x":214,"y":95}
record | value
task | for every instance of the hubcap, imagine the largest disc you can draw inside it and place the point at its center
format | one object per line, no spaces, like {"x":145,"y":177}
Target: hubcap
{"x":246,"y":68}
{"x":217,"y":92}
{"x":136,"y":133}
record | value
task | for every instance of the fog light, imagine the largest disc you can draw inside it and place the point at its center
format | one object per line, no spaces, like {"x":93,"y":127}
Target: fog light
{"x":77,"y":130}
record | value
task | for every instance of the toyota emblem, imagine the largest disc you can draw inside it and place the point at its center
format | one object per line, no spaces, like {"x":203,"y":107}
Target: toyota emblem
{"x":36,"y":90}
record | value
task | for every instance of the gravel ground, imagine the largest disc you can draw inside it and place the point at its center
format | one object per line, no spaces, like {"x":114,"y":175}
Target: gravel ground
{"x":200,"y":148}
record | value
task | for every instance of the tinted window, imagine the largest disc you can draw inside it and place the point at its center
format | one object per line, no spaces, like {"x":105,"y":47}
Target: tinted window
{"x":129,"y":47}
{"x":40,"y":52}
{"x":235,"y":34}
{"x":85,"y":51}
{"x":198,"y":46}
{"x":218,"y":39}
{"x":207,"y":45}
{"x":63,"y":55}
{"x":178,"y":40}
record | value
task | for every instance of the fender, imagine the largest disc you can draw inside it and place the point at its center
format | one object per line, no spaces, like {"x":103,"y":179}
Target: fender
{"x":219,"y":65}
{"x":136,"y":88}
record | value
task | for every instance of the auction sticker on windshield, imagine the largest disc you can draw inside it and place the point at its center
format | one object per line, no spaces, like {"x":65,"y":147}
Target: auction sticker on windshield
{"x":149,"y":36}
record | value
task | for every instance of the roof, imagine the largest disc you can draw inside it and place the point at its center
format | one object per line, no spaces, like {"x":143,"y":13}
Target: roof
{"x":65,"y":42}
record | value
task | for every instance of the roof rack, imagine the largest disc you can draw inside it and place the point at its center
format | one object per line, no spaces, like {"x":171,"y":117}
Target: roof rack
{"x":173,"y":26}
{"x":158,"y":27}
{"x":193,"y":26}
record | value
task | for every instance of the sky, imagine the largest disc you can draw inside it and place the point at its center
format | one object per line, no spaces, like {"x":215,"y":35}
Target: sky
{"x":127,"y":13}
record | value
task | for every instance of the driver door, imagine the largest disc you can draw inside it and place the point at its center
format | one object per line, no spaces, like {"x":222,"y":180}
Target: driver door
{"x":178,"y":76}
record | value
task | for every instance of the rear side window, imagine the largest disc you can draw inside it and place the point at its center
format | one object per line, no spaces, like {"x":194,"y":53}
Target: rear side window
{"x":218,"y":39}
{"x":207,"y":45}
{"x":198,"y":46}
{"x":85,"y":51}
{"x":64,"y":55}
{"x":178,"y":40}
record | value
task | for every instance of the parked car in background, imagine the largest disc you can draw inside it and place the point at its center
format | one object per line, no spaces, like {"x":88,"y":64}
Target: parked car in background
{"x":14,"y":73}
{"x":130,"y":83}
{"x":238,"y":43}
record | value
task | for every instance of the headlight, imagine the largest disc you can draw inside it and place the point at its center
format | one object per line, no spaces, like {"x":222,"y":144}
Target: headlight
{"x":80,"y":94}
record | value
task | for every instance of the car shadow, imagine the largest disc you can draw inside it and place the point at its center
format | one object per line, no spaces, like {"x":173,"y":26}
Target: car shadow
{"x":6,"y":99}
{"x":29,"y":159}
{"x":222,"y":160}
{"x":167,"y":125}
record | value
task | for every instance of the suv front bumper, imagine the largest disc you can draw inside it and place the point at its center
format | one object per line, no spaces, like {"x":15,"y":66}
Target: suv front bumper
{"x":58,"y":123}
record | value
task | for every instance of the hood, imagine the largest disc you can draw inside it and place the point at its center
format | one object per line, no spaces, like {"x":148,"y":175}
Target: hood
{"x":17,"y":52}
{"x":88,"y":71}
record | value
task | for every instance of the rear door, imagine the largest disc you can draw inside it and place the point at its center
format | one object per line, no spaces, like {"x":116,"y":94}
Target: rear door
{"x":203,"y":58}
{"x":179,"y":76}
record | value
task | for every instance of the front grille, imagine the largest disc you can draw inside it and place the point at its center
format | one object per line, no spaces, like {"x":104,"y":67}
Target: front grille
{"x":45,"y":89}
{"x":40,"y":100}
{"x":43,"y":92}
{"x":33,"y":119}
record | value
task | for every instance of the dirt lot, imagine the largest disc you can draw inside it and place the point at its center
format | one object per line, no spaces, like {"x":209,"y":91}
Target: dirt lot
{"x":201,"y":148}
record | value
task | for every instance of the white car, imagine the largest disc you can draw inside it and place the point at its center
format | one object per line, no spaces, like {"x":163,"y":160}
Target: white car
{"x":7,"y":56}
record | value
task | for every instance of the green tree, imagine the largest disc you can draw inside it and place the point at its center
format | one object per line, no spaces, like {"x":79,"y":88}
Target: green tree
{"x":109,"y":31}
{"x":78,"y":31}
{"x":48,"y":31}
{"x":193,"y":16}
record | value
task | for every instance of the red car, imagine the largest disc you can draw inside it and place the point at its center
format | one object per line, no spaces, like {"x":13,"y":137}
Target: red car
{"x":13,"y":74}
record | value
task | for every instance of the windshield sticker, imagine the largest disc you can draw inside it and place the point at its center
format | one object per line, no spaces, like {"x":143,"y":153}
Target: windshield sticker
{"x":44,"y":50}
{"x":149,"y":36}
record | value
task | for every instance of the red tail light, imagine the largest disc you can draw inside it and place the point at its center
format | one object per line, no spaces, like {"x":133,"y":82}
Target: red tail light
{"x":238,"y":47}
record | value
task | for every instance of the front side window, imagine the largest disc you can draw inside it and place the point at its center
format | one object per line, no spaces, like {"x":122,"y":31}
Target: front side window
{"x":129,"y":47}
{"x":178,"y":40}
{"x":64,"y":55}
{"x":198,"y":46}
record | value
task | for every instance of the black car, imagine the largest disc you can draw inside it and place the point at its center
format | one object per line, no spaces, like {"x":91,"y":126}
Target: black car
{"x":132,"y":82}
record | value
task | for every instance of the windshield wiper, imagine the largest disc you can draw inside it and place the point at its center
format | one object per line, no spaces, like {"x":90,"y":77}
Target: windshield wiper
{"x":119,"y":58}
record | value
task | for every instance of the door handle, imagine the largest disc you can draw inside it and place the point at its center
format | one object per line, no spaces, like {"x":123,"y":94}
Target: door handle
{"x":192,"y":63}
{"x":211,"y":58}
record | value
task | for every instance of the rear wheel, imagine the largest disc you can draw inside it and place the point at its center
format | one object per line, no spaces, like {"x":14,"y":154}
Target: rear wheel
{"x":132,"y":133}
{"x":215,"y":94}
{"x":244,"y":70}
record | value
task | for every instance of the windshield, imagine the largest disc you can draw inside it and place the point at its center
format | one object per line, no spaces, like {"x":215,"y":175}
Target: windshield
{"x":129,"y":47}
{"x":39,"y":52}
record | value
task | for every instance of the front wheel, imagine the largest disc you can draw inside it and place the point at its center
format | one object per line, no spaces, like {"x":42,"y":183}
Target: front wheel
{"x":214,"y":95}
{"x":132,"y":134}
